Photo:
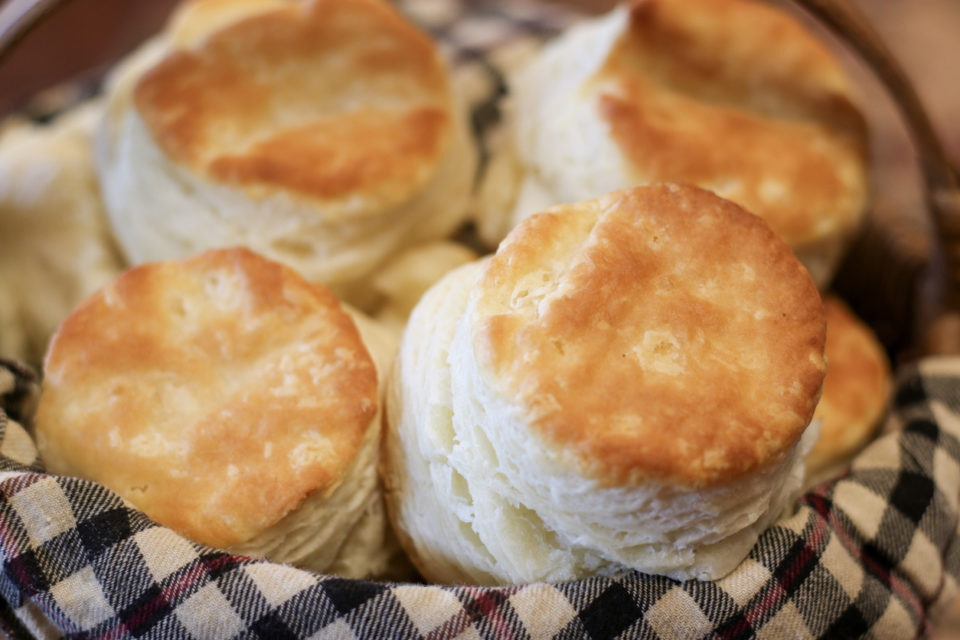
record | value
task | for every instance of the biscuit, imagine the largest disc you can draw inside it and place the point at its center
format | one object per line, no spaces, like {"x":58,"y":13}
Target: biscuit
{"x":626,"y":383}
{"x":734,"y":96}
{"x":226,"y":398}
{"x":320,"y":133}
{"x":855,"y":392}
{"x":55,"y":243}
{"x":406,"y":277}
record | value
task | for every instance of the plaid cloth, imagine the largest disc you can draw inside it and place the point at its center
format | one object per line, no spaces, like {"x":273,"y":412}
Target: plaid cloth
{"x":872,"y":554}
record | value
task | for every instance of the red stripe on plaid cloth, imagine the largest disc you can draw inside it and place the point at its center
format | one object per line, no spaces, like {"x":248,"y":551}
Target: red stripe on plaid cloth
{"x":824,"y":508}
{"x":27,"y":579}
{"x":779,"y":590}
{"x":479,"y":605}
{"x":21,"y":575}
{"x":169,"y":594}
{"x":12,"y":486}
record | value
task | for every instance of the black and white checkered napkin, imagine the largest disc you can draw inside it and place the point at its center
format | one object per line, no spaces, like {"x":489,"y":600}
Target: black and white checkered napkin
{"x":872,"y":554}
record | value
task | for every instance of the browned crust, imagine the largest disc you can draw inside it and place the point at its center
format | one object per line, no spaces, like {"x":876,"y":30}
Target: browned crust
{"x":214,"y":394}
{"x":393,"y":474}
{"x":739,"y":98}
{"x":394,"y":148}
{"x":680,"y":339}
{"x":324,"y":99}
{"x":856,"y":389}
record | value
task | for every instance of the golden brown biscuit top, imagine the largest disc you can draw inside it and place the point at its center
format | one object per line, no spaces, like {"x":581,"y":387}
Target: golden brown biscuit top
{"x":324,"y":99}
{"x":214,"y":394}
{"x":192,"y":20}
{"x":738,"y":98}
{"x":855,"y":390}
{"x":654,"y":333}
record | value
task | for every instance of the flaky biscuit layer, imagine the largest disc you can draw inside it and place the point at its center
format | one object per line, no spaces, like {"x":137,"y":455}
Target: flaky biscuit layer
{"x":733,"y":96}
{"x":627,"y":382}
{"x":321,"y":133}
{"x":216,"y":394}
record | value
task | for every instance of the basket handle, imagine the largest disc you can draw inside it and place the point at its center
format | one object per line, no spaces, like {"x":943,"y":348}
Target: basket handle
{"x":18,"y":18}
{"x":941,"y":333}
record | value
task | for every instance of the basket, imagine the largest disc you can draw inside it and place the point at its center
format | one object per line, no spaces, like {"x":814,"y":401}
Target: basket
{"x":873,"y":553}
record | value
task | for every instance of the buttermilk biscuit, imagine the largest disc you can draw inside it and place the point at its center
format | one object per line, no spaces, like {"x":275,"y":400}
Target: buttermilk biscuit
{"x":321,"y":133}
{"x":625,"y":383}
{"x":406,"y":277}
{"x":730,"y":95}
{"x":855,"y":392}
{"x":230,"y":400}
{"x":55,"y":244}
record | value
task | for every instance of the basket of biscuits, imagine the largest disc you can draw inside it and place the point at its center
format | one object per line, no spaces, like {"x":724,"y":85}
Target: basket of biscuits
{"x":442,"y":319}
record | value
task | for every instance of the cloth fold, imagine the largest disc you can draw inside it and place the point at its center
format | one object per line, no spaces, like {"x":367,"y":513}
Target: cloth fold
{"x":873,"y":553}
